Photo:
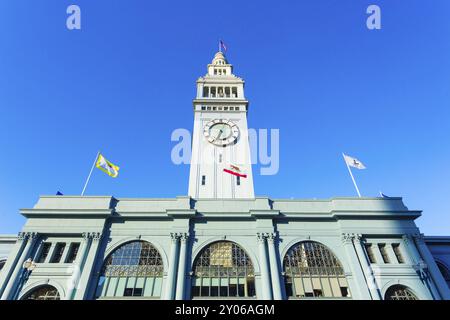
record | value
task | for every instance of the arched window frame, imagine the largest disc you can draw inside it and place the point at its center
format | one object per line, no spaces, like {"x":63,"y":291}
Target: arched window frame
{"x":127,"y":275}
{"x":236,"y":281}
{"x":52,"y":293}
{"x":313,"y":281}
{"x":400,"y":292}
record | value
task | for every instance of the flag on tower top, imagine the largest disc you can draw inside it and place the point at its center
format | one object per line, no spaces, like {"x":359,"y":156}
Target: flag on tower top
{"x":222,"y":46}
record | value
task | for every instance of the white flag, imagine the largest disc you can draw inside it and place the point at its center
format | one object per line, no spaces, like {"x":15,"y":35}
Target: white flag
{"x":353,"y":162}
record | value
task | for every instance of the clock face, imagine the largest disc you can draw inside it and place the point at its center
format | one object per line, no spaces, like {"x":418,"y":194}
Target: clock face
{"x":221,"y":132}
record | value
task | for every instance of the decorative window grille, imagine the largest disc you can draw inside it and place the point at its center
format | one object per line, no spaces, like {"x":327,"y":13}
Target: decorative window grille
{"x":43,"y":293}
{"x":399,"y":292}
{"x":223,"y":269}
{"x":312,"y":270}
{"x":134,"y":269}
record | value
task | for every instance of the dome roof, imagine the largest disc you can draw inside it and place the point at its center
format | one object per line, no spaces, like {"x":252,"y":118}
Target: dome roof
{"x":219,"y":57}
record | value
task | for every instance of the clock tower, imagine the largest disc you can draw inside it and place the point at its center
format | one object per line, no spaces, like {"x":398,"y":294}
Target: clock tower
{"x":220,"y":164}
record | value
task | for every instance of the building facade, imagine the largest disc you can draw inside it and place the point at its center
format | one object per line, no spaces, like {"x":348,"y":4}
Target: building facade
{"x":221,"y":241}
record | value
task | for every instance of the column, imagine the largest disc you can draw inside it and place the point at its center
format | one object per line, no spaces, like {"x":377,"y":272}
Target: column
{"x":274,"y":269}
{"x":12,"y":260}
{"x":391,"y":254}
{"x":86,"y":272}
{"x":51,"y":251}
{"x":265,"y":278}
{"x":359,"y":279}
{"x":420,"y":266}
{"x":184,"y":237}
{"x":433,"y":269}
{"x":77,"y":266}
{"x":366,"y":267}
{"x":172,"y":272}
{"x":377,"y":253}
{"x":12,"y":283}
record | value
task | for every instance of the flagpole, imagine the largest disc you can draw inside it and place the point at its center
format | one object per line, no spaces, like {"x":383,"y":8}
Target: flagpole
{"x":351,"y":175}
{"x":220,"y":47}
{"x":90,"y":173}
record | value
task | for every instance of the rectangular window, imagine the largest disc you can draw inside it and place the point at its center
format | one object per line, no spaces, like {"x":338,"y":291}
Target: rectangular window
{"x":73,"y":251}
{"x":238,"y":181}
{"x":57,"y":254}
{"x":205,"y":92}
{"x":383,"y":252}
{"x":234,"y":92}
{"x":44,"y":252}
{"x":203,"y":108}
{"x":203,"y":180}
{"x":370,"y":254}
{"x":398,"y":253}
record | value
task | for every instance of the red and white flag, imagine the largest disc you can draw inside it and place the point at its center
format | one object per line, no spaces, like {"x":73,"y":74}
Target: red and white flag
{"x":236,"y":171}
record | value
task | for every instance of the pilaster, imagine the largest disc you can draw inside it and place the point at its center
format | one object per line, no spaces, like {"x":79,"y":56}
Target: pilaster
{"x":274,"y":268}
{"x":173,"y":262}
{"x":11,"y":262}
{"x":433,"y":269}
{"x":94,"y":240}
{"x":366,"y":267}
{"x":265,"y":277}
{"x":359,"y":280}
{"x":29,"y":238}
{"x":181,"y":279}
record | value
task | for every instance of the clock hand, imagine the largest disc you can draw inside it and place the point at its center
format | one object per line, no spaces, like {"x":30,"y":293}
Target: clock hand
{"x":220,"y":132}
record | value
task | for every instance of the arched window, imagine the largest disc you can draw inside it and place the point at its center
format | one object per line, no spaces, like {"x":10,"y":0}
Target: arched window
{"x":46,"y":292}
{"x":223,"y":269}
{"x":444,"y":271}
{"x":399,"y":292}
{"x":312,"y":270}
{"x":133,"y":270}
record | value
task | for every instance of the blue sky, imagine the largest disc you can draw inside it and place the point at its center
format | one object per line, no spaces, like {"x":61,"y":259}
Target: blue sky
{"x":125,"y":81}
